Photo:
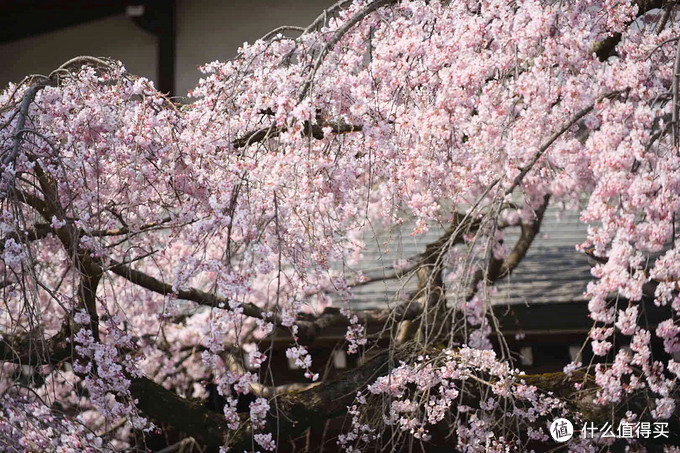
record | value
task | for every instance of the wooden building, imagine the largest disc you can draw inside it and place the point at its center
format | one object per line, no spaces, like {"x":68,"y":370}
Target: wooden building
{"x":164,"y":40}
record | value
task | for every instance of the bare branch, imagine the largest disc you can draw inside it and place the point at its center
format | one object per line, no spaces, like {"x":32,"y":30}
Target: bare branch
{"x":500,"y":268}
{"x":194,"y":295}
{"x":529,"y":231}
{"x":307,"y":329}
{"x":35,"y":350}
{"x":281,"y":29}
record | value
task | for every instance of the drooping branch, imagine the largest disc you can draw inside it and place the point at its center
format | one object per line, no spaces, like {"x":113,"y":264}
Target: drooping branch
{"x":308,"y":329}
{"x":49,"y":207}
{"x":312,"y":326}
{"x":157,"y":286}
{"x":282,"y":29}
{"x":32,"y":91}
{"x":674,"y":90}
{"x":431,"y":291}
{"x":29,"y":97}
{"x":433,"y":252}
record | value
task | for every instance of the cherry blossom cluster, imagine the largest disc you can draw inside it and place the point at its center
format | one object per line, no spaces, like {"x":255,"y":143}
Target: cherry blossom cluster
{"x":30,"y":426}
{"x":107,"y":377}
{"x":494,"y":405}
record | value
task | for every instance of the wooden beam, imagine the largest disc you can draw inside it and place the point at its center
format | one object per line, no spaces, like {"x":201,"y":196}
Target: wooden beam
{"x":22,"y":19}
{"x":158,"y":18}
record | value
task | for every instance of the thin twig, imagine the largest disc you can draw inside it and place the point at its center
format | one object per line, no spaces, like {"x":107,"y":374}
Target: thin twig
{"x":661,"y":44}
{"x":281,"y":29}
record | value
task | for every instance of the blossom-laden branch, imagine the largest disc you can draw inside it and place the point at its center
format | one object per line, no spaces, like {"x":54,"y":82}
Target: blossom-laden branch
{"x":307,"y":329}
{"x":311,"y":130}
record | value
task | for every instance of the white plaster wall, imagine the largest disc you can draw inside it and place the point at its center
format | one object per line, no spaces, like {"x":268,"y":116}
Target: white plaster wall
{"x":116,"y":37}
{"x":209,"y":30}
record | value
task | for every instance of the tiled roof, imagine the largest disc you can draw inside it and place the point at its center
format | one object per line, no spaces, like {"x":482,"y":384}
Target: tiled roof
{"x":553,"y":271}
